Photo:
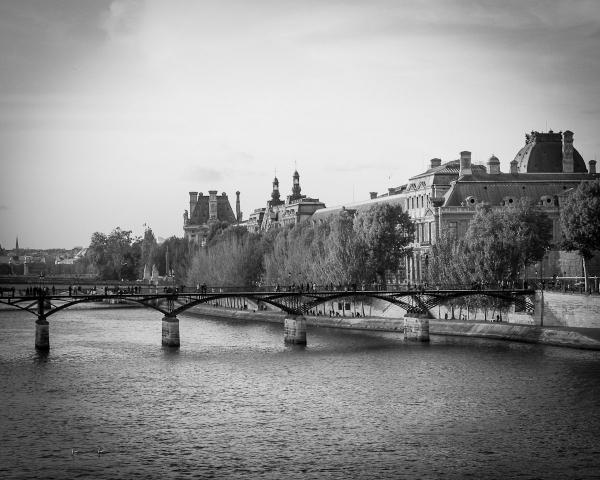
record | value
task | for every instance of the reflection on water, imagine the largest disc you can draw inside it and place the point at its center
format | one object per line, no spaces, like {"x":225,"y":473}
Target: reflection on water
{"x":235,"y":402}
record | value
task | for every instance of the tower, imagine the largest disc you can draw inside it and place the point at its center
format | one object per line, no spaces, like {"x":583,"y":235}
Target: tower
{"x":17,"y":246}
{"x":238,"y":211}
{"x":296,"y":186}
{"x":275,"y":198}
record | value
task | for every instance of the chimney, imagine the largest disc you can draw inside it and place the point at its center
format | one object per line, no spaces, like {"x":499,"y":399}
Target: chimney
{"x":514,"y":167}
{"x":238,"y":213}
{"x":435,"y":162}
{"x":493,"y":165}
{"x":373,"y":195}
{"x":465,"y":164}
{"x":212,"y":204}
{"x":567,"y":160}
{"x":592,"y":164}
{"x":193,"y":201}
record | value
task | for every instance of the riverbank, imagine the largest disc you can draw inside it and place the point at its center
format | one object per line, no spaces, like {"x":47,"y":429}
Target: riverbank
{"x":585,"y":338}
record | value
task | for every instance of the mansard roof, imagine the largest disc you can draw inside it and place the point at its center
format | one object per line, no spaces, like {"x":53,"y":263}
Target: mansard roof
{"x":494,"y":188}
{"x":445,"y":172}
{"x":200,"y":214}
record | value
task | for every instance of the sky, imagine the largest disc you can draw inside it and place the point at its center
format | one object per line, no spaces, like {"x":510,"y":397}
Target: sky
{"x":111,"y":111}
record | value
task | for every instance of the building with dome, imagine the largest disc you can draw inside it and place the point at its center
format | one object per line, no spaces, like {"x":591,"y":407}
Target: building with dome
{"x":444,"y":198}
{"x":295,"y":209}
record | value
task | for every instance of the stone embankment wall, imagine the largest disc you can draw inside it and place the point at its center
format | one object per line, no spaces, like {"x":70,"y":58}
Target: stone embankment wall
{"x":500,"y":331}
{"x":518,"y":333}
{"x":568,"y":309}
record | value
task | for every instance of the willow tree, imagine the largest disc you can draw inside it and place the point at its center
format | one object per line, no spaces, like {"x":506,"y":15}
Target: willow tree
{"x":580,"y":222}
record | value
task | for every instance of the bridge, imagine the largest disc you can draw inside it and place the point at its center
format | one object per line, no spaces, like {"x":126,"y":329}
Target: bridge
{"x":295,"y":303}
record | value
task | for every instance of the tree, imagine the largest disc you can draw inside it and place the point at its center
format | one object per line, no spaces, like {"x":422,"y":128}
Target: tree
{"x":114,"y":256}
{"x":503,"y":242}
{"x":580,"y":222}
{"x":384,"y":232}
{"x":498,"y":245}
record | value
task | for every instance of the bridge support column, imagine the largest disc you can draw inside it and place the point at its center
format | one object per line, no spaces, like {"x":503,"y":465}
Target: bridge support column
{"x":416,"y":327}
{"x":42,"y":334}
{"x":294,"y":330}
{"x":170,"y":332}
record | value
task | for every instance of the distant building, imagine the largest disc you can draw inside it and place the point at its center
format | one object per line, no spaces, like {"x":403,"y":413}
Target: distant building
{"x":206,"y":210}
{"x":295,"y":209}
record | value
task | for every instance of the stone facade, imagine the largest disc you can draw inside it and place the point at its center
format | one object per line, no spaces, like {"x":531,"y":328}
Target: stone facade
{"x":278,"y":213}
{"x":206,"y":210}
{"x":444,"y":198}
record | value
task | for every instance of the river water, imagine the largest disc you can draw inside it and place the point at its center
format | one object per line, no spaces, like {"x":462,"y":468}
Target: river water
{"x":234,"y":402}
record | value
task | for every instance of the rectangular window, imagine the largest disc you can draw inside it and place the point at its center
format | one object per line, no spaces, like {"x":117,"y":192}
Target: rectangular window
{"x":452,"y":230}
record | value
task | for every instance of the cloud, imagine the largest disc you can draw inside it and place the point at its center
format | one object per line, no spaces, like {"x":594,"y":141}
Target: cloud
{"x":122,"y":18}
{"x":203,"y":174}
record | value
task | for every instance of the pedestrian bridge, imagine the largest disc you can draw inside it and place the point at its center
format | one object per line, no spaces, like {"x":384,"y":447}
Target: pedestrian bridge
{"x":416,"y":303}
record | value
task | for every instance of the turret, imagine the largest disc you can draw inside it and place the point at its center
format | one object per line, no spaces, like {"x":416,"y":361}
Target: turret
{"x":493,"y":165}
{"x":275,"y":200}
{"x":592,"y":164}
{"x":296,"y":185}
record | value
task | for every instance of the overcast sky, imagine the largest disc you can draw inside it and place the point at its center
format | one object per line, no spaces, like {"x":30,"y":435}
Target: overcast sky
{"x":112,"y":111}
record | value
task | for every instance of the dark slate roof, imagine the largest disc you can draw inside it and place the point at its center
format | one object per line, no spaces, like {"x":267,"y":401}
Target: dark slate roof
{"x":358,"y":206}
{"x":224,"y":211}
{"x":492,"y":189}
{"x":446,"y":170}
{"x":543,"y":153}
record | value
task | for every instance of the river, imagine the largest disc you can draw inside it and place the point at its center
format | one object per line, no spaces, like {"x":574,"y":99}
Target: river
{"x":235,"y":402}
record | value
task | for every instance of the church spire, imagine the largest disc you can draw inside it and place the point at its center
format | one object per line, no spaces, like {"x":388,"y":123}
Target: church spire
{"x":17,"y":246}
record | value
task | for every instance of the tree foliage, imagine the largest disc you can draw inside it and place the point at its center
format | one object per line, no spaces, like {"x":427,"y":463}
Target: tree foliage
{"x":383,"y":233}
{"x":498,"y":246}
{"x":115,"y":256}
{"x":344,"y":249}
{"x":580,"y":221}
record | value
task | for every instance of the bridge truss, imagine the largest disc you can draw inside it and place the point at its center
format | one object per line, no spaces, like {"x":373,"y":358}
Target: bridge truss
{"x":293,"y":303}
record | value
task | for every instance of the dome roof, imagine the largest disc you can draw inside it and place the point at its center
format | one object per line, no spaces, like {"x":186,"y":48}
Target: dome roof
{"x":494,"y":160}
{"x":543,"y":153}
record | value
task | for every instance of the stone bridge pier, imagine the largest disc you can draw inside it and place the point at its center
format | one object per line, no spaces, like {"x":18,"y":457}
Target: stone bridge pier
{"x":42,"y":334}
{"x":170,"y":331}
{"x":294,"y":329}
{"x":416,"y":327}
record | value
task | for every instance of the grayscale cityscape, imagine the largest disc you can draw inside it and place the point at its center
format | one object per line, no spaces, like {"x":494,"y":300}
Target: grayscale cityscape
{"x":299,"y":240}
